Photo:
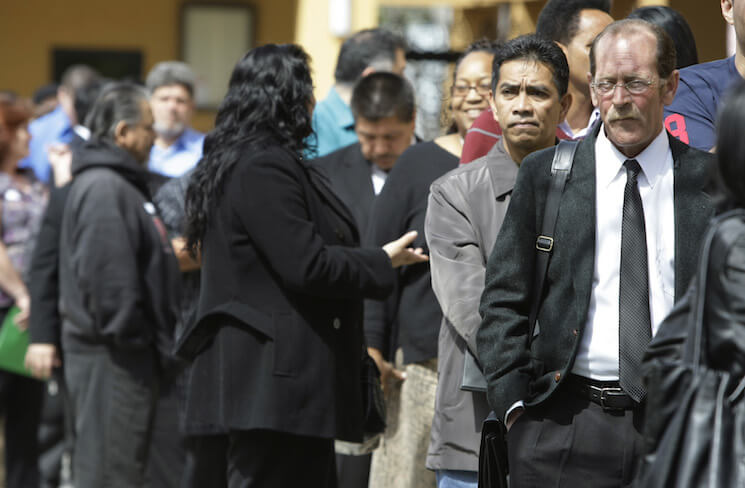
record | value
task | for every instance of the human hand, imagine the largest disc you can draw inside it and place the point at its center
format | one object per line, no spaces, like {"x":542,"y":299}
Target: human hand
{"x":513,"y":416}
{"x":387,"y":371}
{"x":401,"y":254}
{"x":24,"y":310}
{"x":41,"y":358}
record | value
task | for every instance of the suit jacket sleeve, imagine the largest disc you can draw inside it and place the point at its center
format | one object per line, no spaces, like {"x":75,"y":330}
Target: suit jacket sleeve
{"x":44,"y":323}
{"x":273,"y":210}
{"x":456,"y":260}
{"x":502,"y":339}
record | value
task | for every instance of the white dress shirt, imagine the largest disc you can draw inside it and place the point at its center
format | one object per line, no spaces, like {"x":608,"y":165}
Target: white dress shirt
{"x":597,"y":357}
{"x":378,"y":177}
{"x":582,"y":133}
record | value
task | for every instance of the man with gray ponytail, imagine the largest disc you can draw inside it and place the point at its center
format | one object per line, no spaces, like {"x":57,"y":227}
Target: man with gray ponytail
{"x":118,"y":282}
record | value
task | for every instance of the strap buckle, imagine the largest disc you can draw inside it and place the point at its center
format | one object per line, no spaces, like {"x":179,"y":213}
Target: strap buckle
{"x":544,"y":243}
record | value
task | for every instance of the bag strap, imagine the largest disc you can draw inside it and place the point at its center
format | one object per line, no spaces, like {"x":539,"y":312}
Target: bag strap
{"x":561,"y":166}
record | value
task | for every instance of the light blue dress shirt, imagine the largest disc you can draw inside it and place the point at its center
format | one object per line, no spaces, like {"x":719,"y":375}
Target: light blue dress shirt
{"x":179,"y":157}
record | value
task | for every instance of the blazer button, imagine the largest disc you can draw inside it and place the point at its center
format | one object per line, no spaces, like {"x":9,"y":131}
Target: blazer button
{"x":557,"y":376}
{"x":336,"y":323}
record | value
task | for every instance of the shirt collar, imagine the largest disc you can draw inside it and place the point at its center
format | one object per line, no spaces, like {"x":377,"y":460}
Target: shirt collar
{"x":609,"y":160}
{"x":564,"y":126}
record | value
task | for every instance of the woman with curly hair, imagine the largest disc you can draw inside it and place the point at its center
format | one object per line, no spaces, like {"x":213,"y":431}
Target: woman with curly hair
{"x":277,"y":342}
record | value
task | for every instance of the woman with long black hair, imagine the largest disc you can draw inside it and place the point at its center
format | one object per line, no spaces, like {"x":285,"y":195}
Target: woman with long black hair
{"x":277,"y":343}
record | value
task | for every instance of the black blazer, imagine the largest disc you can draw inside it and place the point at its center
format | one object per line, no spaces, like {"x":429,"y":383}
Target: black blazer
{"x":280,"y":309}
{"x":515,"y":372}
{"x":351,"y":178}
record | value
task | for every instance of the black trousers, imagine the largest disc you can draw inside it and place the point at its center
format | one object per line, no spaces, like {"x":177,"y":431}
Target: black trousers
{"x":353,"y":471}
{"x":167,"y":452}
{"x":206,"y":461}
{"x":570,"y":442}
{"x":20,"y":404}
{"x":113,"y":394}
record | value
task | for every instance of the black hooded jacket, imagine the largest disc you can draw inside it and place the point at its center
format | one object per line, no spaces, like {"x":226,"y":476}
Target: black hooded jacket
{"x":118,"y":274}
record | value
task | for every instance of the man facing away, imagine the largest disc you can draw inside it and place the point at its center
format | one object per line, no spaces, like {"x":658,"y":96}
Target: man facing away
{"x":465,"y":210}
{"x":630,"y":222}
{"x":365,"y":52}
{"x":118,"y":292}
{"x":384,"y":112}
{"x":692,"y":115}
{"x":572,"y":25}
{"x":177,"y":146}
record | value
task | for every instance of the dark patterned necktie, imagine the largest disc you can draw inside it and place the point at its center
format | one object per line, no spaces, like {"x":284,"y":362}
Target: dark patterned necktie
{"x":635,"y":326}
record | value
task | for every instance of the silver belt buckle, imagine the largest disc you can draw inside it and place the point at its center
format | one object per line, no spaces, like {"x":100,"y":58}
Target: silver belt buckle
{"x":604,"y":396}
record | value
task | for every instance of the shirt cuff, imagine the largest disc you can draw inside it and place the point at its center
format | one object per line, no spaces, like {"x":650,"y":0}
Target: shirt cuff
{"x":520,"y":404}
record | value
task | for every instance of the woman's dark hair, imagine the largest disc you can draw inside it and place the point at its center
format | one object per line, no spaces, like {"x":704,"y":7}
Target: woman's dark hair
{"x":729,"y":182}
{"x":268,"y":104}
{"x":677,"y":28}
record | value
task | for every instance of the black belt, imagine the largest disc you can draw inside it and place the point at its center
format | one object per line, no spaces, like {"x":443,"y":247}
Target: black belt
{"x":607,"y":394}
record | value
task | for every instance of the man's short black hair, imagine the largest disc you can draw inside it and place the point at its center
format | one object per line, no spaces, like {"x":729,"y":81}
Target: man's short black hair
{"x":369,"y":47}
{"x":533,"y":48}
{"x":381,"y":95}
{"x":559,"y":19}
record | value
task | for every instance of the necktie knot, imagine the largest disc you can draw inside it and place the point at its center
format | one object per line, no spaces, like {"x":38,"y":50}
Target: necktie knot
{"x":632,"y":168}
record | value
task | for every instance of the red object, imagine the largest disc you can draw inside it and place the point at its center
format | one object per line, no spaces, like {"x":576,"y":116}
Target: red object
{"x":482,"y":136}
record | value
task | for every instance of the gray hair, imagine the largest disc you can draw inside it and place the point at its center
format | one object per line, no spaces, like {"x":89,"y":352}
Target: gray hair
{"x":118,"y":102}
{"x":171,"y":73}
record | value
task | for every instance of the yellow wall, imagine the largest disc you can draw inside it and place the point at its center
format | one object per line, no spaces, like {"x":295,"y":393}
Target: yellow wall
{"x":29,"y":29}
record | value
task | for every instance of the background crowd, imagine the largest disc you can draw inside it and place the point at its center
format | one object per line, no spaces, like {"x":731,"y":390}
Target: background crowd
{"x":200,"y":308}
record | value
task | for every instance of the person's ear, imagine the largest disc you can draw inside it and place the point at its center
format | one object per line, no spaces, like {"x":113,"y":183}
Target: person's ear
{"x":593,"y":95}
{"x":566,"y":103}
{"x":493,"y":106}
{"x":728,"y":11}
{"x":670,"y":87}
{"x":121,"y":130}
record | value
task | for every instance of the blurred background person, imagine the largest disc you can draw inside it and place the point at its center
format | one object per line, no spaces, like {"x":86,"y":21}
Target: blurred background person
{"x":692,"y":116}
{"x":45,"y":99}
{"x":384,"y":112}
{"x":365,"y":52}
{"x":465,"y":210}
{"x":676,"y":27}
{"x":282,"y":286}
{"x":23,"y":201}
{"x":118,"y":285}
{"x":177,"y":147}
{"x":57,"y":126}
{"x":401,"y":331}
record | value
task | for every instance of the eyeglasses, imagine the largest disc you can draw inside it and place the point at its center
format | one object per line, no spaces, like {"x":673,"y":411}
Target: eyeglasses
{"x":635,"y":87}
{"x":462,"y":89}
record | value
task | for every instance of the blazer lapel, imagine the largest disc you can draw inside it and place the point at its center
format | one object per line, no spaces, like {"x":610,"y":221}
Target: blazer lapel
{"x":693,"y":209}
{"x":361,"y":180}
{"x":321,"y":183}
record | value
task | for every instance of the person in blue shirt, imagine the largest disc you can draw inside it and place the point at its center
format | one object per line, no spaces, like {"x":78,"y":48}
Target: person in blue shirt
{"x":177,"y":147}
{"x":692,"y":116}
{"x":56,"y":127}
{"x":366,"y":51}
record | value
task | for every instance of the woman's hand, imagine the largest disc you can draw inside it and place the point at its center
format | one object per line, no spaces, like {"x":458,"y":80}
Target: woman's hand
{"x":23,"y":302}
{"x":401,"y":254}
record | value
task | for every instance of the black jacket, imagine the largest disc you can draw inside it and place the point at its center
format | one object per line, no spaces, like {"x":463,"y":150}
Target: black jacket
{"x":278,"y":336}
{"x":351,"y":178}
{"x":515,"y":372}
{"x":118,"y":275}
{"x":410,"y":317}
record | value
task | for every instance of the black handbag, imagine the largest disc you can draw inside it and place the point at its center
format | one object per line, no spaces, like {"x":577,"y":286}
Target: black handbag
{"x":373,"y":403}
{"x":695,"y":427}
{"x":493,"y":454}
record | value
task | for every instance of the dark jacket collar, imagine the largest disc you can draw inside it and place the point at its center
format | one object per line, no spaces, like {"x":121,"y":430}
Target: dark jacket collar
{"x":102,"y":153}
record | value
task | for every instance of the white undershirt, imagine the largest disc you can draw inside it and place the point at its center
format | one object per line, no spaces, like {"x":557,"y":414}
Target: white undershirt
{"x":378,"y":177}
{"x":597,"y":357}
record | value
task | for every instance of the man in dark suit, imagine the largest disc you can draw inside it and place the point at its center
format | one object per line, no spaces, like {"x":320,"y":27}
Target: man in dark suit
{"x":384,"y":113}
{"x":630,"y":222}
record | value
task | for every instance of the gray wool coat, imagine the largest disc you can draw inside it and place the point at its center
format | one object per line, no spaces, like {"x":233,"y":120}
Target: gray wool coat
{"x":465,"y":211}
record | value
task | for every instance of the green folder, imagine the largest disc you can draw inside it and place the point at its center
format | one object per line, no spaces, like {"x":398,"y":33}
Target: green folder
{"x":13,"y":345}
